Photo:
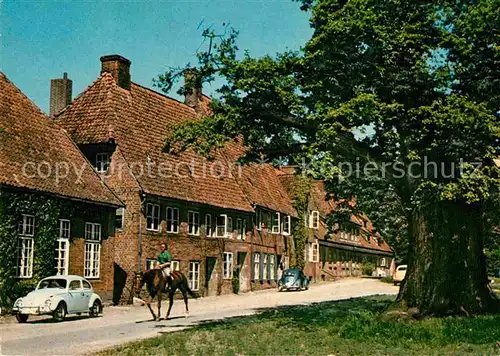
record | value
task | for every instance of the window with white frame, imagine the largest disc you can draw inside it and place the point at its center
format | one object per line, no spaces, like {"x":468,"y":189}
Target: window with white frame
{"x":276,"y":223}
{"x":173,"y":220}
{"x":92,"y":260}
{"x":264,"y":267}
{"x":208,"y":225}
{"x":258,"y":218}
{"x":314,"y":220}
{"x":228,"y":265}
{"x":193,"y":223}
{"x":224,"y":226}
{"x":287,"y":225}
{"x":229,"y":227}
{"x":314,"y":252}
{"x":194,"y":275}
{"x":272,"y":267}
{"x":256,"y":266}
{"x":383,"y":262}
{"x":151,"y":263}
{"x":62,"y":251}
{"x":220,"y":226}
{"x":241,"y":227}
{"x":119,"y":220}
{"x":25,"y":247}
{"x":102,"y":162}
{"x":153,"y":217}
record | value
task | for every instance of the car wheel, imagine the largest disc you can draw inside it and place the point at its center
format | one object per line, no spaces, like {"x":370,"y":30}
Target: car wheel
{"x":21,"y":318}
{"x":95,"y":309}
{"x":60,"y":312}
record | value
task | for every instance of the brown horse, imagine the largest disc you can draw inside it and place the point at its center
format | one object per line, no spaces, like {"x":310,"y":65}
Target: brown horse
{"x":156,"y":284}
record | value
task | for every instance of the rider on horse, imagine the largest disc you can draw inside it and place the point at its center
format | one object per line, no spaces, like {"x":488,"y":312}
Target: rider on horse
{"x":164,"y":259}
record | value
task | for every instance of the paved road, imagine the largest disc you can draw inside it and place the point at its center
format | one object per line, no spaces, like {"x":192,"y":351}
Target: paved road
{"x":81,"y":335}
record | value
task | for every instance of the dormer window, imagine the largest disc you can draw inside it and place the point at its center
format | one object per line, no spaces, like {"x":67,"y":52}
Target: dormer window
{"x":314,"y":220}
{"x":102,"y":162}
{"x":276,"y":224}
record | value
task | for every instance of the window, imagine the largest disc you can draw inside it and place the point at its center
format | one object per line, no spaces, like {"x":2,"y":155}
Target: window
{"x":256,"y":266}
{"x":92,"y":250}
{"x":25,"y":257}
{"x":208,"y":225}
{"x":119,"y":220}
{"x":102,"y":162}
{"x":314,"y":220}
{"x":194,"y":276}
{"x":228,"y":265}
{"x":241,"y":227}
{"x":264,"y":267}
{"x":27,"y":226}
{"x":314,"y":252}
{"x":258,"y":218}
{"x":75,"y":285}
{"x":272,"y":267}
{"x":86,"y":285}
{"x":25,"y":246}
{"x":263,"y":219}
{"x":151,"y":263}
{"x":153,"y":217}
{"x":173,"y":220}
{"x":62,"y":251}
{"x":276,"y":223}
{"x":224,"y":226}
{"x":229,"y":227}
{"x":193,"y":223}
{"x":383,"y":262}
{"x":287,"y":225}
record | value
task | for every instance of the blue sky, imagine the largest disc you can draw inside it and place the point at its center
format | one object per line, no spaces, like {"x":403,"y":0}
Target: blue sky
{"x":42,"y":39}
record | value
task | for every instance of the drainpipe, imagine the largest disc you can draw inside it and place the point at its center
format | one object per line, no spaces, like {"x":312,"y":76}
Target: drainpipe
{"x":139,"y":240}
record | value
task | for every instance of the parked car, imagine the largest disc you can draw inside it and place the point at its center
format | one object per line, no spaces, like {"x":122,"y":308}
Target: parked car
{"x":59,"y":296}
{"x":400,"y":274}
{"x":293,"y":278}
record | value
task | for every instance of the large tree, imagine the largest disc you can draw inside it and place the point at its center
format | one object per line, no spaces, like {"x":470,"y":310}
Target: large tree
{"x":394,"y":102}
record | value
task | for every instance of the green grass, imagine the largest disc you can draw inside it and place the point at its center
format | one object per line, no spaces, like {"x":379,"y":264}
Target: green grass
{"x":351,"y":327}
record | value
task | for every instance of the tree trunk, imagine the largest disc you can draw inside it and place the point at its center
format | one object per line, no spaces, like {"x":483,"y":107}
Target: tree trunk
{"x":446,"y":264}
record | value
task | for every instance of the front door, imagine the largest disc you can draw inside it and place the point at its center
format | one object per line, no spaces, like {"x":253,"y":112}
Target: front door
{"x":76,"y":300}
{"x":210,"y":282}
{"x":244,"y":281}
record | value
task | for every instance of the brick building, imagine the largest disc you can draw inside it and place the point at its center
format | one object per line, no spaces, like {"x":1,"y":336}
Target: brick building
{"x":204,"y":209}
{"x":342,"y":251}
{"x":39,"y":162}
{"x":218,"y":219}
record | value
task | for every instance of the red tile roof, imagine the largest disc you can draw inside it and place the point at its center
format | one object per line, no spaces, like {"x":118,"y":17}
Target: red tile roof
{"x":29,"y":140}
{"x":320,"y":202}
{"x":139,"y":120}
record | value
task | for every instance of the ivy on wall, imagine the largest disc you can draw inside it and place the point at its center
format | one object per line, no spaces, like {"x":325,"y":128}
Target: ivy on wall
{"x":47,"y":212}
{"x":301,"y":192}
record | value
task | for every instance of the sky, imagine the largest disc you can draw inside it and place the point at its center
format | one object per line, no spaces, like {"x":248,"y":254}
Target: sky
{"x":39,"y":40}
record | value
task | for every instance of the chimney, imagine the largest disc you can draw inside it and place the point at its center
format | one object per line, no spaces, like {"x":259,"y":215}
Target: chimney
{"x":60,"y":94}
{"x":192,"y":89}
{"x":119,"y":67}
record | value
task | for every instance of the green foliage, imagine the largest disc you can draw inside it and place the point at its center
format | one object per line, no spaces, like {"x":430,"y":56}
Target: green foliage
{"x":46,"y":212}
{"x":368,"y":268}
{"x":235,"y":281}
{"x":394,"y":102}
{"x":493,"y":262}
{"x":301,"y":192}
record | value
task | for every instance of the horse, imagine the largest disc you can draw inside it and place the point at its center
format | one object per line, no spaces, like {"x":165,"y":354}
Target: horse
{"x":156,"y":282}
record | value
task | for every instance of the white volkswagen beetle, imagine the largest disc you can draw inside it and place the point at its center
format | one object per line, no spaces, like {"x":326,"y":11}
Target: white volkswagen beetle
{"x":59,"y":296}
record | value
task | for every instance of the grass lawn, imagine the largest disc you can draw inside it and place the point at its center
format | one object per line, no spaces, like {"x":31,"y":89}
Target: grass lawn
{"x":351,"y":327}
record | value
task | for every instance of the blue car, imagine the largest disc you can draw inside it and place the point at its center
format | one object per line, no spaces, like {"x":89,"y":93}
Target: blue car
{"x":293,"y":278}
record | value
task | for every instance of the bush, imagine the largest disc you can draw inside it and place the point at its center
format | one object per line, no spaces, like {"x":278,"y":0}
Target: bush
{"x":236,"y":281}
{"x":368,"y":269}
{"x":493,"y":262}
{"x":387,"y":280}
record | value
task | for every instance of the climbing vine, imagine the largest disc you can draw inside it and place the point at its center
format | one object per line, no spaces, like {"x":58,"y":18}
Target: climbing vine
{"x":300,"y":196}
{"x":47,"y":212}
